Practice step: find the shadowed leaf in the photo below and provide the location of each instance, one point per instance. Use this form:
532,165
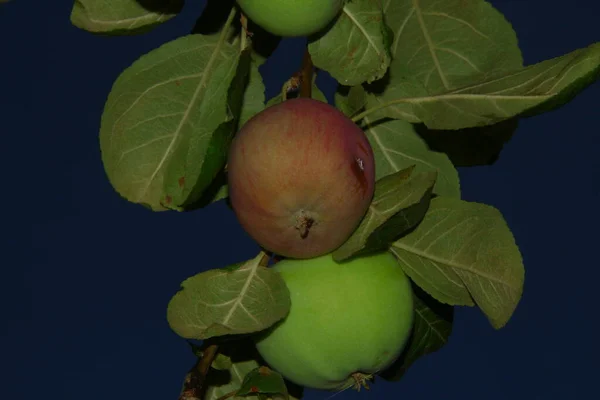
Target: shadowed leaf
397,146
431,329
400,202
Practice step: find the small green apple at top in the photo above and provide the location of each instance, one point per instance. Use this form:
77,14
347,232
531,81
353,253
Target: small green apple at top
347,320
291,18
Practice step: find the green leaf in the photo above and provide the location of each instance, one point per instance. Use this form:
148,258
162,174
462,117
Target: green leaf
354,50
452,43
197,161
397,146
222,193
431,329
463,253
532,90
171,100
399,204
254,94
221,362
242,298
350,99
243,357
123,17
263,380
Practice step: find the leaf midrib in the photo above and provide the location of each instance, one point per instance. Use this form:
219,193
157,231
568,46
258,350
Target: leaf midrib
430,46
184,118
238,302
440,261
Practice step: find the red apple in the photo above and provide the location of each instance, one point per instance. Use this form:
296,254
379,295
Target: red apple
301,177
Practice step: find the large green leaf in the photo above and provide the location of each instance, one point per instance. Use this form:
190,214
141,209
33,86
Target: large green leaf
123,17
452,43
355,49
463,253
171,100
196,164
243,298
397,146
532,90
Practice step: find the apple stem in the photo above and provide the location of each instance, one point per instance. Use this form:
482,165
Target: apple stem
245,34
194,384
301,80
306,75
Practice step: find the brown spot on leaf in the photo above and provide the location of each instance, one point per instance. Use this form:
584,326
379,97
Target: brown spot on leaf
254,389
264,371
168,200
181,181
177,83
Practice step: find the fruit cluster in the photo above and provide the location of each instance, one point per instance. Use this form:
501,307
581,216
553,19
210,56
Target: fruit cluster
301,177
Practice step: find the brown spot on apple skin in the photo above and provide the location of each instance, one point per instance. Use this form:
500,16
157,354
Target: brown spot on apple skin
363,148
358,170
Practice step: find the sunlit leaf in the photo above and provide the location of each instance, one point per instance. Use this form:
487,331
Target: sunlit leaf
355,49
463,253
123,17
244,298
172,100
532,90
452,43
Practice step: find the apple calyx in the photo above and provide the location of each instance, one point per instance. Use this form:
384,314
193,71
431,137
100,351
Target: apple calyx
361,380
304,221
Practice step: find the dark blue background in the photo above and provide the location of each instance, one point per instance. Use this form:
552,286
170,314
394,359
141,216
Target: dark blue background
86,276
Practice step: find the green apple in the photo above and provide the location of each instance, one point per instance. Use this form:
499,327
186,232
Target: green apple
291,17
347,320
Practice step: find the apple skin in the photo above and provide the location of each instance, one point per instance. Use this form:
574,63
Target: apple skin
301,177
291,18
348,317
